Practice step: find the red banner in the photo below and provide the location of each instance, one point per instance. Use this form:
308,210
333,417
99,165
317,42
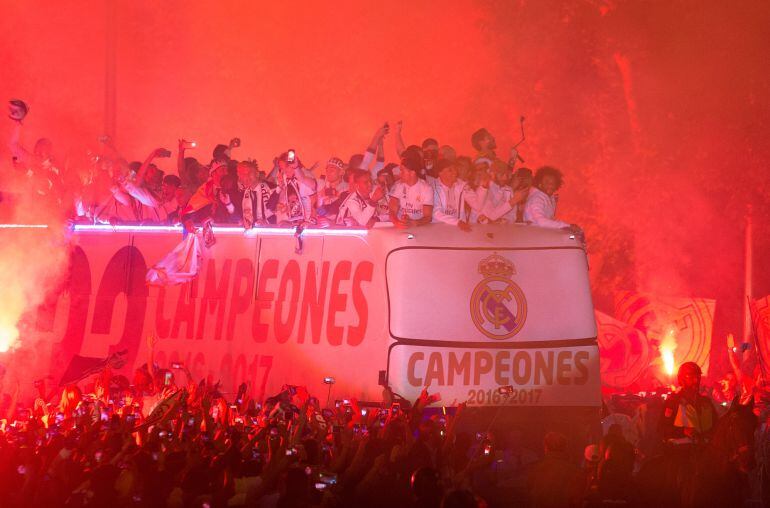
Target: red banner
760,317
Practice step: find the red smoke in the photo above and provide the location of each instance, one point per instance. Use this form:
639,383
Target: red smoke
656,112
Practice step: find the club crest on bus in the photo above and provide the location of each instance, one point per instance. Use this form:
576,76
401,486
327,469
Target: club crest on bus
498,305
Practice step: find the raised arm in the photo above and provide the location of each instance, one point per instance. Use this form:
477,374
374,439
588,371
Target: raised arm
18,152
400,145
374,150
180,166
146,164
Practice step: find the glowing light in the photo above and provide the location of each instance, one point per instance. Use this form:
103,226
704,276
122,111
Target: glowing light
23,226
219,230
8,337
666,349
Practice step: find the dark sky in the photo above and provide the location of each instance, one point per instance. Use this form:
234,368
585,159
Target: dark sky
657,112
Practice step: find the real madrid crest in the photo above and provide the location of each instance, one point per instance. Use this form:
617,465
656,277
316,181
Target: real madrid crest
498,305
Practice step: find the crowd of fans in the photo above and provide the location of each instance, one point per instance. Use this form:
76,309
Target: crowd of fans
158,440
153,443
165,439
429,183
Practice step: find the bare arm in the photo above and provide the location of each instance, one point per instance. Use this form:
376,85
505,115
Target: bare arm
180,166
400,145
373,149
427,216
394,209
17,150
146,164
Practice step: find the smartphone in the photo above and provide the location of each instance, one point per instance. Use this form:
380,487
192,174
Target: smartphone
167,379
487,449
363,411
328,478
329,380
395,408
291,155
176,365
320,486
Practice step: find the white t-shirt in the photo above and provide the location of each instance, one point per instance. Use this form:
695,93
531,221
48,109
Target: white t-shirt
328,193
355,211
540,210
412,198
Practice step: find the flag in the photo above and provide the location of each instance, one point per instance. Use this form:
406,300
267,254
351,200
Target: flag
80,367
760,319
179,266
688,321
624,352
163,410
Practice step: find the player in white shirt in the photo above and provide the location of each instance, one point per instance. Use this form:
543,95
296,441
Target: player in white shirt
497,206
450,196
540,209
411,199
360,206
295,190
505,201
253,195
385,180
330,186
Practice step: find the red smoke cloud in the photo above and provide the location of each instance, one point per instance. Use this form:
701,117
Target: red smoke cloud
657,113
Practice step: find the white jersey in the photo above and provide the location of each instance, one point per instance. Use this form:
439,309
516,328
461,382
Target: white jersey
449,205
383,208
355,211
497,205
411,198
328,192
540,209
294,195
150,208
